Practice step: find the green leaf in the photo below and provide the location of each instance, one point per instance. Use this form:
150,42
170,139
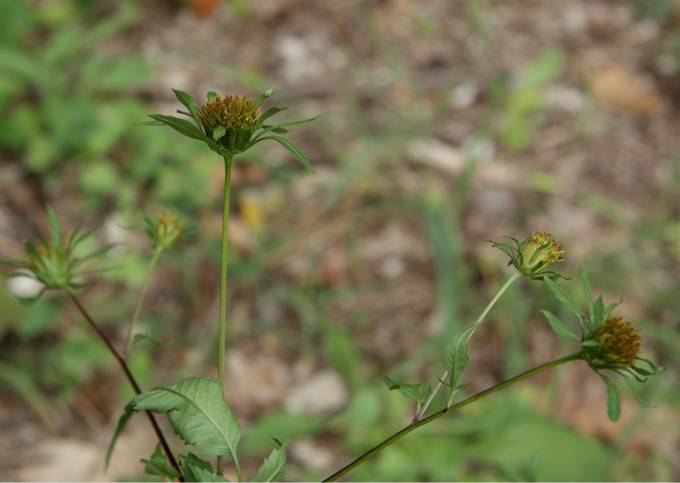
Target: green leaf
457,358
180,125
188,102
613,399
391,383
211,95
563,297
610,308
590,343
598,312
157,465
267,114
219,132
585,288
198,413
196,469
55,228
414,392
559,327
292,148
273,466
122,422
265,95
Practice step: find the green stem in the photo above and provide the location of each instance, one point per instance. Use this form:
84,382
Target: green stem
478,322
131,379
415,425
140,299
224,264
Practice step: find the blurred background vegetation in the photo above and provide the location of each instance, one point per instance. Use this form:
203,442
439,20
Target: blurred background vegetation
445,123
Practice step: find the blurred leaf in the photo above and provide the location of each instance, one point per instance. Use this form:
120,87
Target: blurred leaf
157,465
182,126
120,426
613,399
283,425
291,147
196,469
273,467
559,327
342,354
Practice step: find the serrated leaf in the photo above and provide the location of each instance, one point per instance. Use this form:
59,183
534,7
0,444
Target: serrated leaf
54,226
273,466
198,412
613,399
457,358
559,327
180,125
122,422
188,102
157,465
291,147
196,469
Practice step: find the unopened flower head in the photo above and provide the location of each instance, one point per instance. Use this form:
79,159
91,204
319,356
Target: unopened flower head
57,262
617,345
165,229
533,256
232,113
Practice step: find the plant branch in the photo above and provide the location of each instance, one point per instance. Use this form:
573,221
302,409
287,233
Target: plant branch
140,299
224,264
415,425
419,414
131,379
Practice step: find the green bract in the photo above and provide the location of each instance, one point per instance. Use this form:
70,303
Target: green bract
231,125
56,262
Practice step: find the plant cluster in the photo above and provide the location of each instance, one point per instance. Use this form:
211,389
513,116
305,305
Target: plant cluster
196,407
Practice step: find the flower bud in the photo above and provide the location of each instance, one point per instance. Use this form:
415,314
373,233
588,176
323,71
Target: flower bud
165,230
229,119
533,256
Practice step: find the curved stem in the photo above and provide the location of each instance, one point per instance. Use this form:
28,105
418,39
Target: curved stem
224,264
478,322
131,379
140,299
415,425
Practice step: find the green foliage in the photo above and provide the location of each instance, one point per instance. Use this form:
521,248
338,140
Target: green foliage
560,327
414,392
273,467
198,412
196,469
157,465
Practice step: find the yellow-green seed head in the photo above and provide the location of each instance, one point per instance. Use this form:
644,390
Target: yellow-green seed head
230,112
619,343
541,250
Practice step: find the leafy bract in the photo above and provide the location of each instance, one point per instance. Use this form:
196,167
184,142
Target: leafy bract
196,469
158,466
198,412
559,327
273,466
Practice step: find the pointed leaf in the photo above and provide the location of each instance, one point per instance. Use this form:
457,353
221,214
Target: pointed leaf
196,469
198,413
292,148
157,465
613,399
559,327
457,358
122,422
180,125
391,383
563,297
188,102
587,294
55,228
272,111
273,467
265,95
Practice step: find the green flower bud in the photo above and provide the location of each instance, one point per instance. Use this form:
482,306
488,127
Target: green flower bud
230,120
164,230
533,256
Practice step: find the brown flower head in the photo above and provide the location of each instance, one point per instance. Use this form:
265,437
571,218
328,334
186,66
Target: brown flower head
230,112
618,344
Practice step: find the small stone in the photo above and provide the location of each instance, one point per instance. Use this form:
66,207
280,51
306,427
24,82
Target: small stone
323,393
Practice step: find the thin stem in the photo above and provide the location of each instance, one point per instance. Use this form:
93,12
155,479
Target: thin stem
131,379
477,322
415,425
140,299
224,264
